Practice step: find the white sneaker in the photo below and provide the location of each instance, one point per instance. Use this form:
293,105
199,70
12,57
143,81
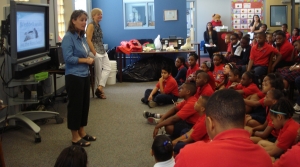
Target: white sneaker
152,120
297,108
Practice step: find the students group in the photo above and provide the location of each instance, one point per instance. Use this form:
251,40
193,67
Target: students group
232,108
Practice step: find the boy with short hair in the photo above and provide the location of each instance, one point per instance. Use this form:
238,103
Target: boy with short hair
165,91
285,48
284,28
260,55
231,144
182,116
202,83
198,132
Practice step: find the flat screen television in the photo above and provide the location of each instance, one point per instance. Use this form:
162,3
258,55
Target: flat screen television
29,31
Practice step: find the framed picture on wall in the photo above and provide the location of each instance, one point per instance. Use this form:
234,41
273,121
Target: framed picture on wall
278,15
170,15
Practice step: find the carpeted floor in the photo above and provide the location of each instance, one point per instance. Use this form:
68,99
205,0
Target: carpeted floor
123,136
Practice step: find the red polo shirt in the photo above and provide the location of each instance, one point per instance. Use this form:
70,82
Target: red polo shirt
229,47
211,80
205,90
170,86
287,35
286,51
199,130
249,90
186,110
287,134
192,70
229,148
260,56
290,158
218,73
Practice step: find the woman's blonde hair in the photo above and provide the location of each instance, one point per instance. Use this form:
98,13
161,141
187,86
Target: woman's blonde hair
96,11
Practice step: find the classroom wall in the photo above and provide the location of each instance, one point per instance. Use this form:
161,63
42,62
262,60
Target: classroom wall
112,23
268,3
204,11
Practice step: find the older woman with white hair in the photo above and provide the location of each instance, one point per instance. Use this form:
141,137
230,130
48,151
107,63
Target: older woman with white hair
94,37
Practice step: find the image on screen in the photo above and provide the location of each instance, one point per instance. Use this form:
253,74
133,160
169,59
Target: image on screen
30,30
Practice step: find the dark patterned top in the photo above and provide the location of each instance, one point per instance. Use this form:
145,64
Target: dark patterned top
97,38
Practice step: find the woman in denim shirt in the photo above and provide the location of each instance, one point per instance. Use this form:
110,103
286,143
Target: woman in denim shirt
75,53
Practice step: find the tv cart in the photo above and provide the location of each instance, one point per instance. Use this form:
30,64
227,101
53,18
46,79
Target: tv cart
14,112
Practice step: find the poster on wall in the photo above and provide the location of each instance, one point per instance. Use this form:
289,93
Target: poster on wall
242,12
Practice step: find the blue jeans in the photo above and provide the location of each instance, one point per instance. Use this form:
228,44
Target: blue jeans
160,98
297,84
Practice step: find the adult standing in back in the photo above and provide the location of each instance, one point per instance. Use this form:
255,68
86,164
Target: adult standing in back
211,40
255,24
94,37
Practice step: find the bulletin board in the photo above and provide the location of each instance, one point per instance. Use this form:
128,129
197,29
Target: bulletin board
242,12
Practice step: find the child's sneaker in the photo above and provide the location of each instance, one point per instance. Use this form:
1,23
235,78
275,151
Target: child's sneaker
152,120
152,104
148,114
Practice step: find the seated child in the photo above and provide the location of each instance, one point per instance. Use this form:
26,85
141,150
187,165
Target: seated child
202,83
72,156
198,132
284,28
227,41
206,67
269,39
255,102
226,69
234,78
247,87
240,33
291,157
218,70
286,50
165,91
295,35
193,67
267,131
263,28
230,144
281,114
162,150
182,116
243,59
181,74
260,55
235,43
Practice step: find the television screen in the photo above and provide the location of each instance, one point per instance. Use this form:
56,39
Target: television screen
30,30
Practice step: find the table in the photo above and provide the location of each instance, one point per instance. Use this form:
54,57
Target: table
122,63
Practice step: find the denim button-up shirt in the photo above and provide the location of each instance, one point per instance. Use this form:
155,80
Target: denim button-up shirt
75,47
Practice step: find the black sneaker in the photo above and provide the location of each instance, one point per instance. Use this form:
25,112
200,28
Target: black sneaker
148,114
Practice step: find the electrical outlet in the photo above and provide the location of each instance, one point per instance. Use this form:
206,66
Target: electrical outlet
51,36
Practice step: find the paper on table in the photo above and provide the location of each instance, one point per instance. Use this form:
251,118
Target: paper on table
208,45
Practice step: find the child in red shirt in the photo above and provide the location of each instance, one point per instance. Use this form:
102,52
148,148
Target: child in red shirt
281,114
198,132
181,74
206,67
218,70
234,78
291,157
181,116
260,56
247,87
286,50
165,91
226,70
202,83
268,131
284,28
227,41
269,39
193,67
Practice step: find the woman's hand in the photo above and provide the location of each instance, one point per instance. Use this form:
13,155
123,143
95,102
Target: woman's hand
89,61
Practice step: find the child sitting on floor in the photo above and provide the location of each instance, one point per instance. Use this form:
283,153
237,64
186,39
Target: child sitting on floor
162,150
234,78
165,91
281,114
267,131
247,87
207,67
202,83
226,70
218,70
269,39
227,41
72,156
182,116
193,67
181,74
198,132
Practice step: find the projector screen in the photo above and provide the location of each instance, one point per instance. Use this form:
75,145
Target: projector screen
30,30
